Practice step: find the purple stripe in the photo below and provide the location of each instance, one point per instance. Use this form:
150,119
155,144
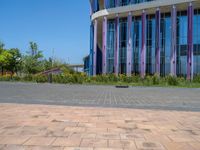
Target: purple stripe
129,46
190,43
173,41
104,44
158,41
95,48
117,45
143,49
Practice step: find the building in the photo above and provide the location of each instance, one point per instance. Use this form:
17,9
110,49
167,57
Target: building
145,37
86,61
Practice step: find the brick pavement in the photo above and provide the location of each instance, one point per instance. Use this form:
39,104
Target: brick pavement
101,96
36,127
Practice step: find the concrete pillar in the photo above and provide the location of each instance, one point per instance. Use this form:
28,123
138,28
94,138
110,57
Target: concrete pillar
104,45
158,41
116,45
95,48
190,43
129,46
143,49
173,41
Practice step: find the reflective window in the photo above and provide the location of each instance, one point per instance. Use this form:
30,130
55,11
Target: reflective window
165,36
110,46
150,44
123,2
196,41
182,43
122,45
137,36
110,3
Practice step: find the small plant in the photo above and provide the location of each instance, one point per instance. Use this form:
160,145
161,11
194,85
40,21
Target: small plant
172,80
40,78
156,79
197,79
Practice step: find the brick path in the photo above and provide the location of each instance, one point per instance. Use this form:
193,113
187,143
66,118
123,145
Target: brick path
35,127
102,96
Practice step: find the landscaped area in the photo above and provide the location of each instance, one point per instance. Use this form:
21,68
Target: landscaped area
111,79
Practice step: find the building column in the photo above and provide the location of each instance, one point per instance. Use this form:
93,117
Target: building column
116,52
143,49
104,45
129,46
173,41
95,48
158,41
190,43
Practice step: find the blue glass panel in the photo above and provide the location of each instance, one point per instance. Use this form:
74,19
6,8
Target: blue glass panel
182,43
137,36
165,36
196,41
110,46
122,45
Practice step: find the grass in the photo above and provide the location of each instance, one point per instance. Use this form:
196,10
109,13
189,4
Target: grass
111,79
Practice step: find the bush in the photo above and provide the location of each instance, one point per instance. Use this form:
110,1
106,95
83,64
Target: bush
155,79
28,78
5,78
172,80
148,80
197,79
16,78
40,78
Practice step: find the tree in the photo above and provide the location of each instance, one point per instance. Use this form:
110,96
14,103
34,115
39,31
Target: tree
5,56
14,60
33,61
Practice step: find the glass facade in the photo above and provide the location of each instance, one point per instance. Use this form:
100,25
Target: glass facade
122,45
150,44
165,44
137,43
110,46
112,3
182,26
196,41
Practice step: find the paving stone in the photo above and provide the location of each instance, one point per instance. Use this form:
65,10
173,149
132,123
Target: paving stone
109,149
178,146
149,145
68,142
94,143
13,140
40,141
181,138
78,148
195,145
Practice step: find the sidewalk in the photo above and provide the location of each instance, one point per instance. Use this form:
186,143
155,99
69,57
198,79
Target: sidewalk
35,127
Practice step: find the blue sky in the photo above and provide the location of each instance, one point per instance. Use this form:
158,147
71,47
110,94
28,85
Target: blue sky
62,25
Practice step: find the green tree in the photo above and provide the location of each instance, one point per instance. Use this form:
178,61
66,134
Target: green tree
14,61
33,61
5,57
